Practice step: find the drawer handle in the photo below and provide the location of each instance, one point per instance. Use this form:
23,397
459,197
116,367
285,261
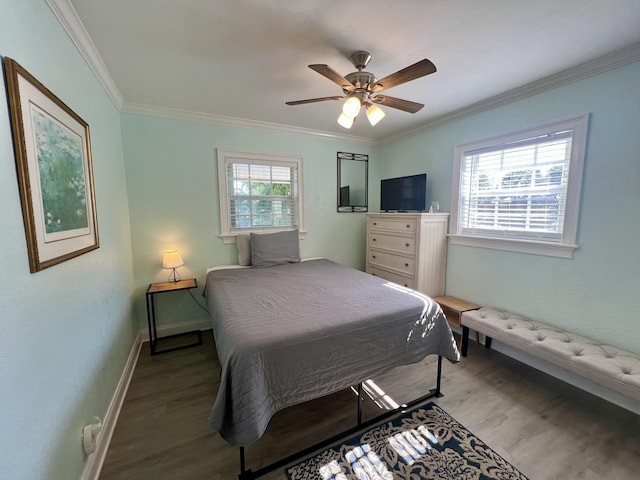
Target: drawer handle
373,256
374,224
406,245
406,264
374,239
406,285
408,226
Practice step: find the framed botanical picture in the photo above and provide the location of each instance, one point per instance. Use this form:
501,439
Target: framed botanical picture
55,174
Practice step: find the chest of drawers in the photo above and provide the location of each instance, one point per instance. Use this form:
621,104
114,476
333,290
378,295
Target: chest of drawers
409,249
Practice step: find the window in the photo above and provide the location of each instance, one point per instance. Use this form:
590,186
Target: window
259,193
521,191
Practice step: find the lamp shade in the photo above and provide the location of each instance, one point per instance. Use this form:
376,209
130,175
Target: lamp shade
172,259
374,114
345,120
351,107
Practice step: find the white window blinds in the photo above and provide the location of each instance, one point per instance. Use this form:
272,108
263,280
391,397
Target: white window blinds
518,189
259,193
262,194
521,191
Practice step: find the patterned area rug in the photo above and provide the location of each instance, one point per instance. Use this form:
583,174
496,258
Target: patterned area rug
424,443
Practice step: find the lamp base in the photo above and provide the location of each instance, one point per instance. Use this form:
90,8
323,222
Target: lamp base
174,276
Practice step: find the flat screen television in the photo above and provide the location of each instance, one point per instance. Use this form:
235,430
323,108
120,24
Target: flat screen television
404,194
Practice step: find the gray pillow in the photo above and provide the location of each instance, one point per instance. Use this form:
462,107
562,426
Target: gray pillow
269,249
243,242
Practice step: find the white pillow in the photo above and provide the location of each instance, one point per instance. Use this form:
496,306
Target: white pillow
243,242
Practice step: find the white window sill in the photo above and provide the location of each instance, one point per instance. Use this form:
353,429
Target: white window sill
515,245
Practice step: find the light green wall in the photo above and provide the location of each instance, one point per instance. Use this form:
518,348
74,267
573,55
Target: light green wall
65,332
172,181
597,292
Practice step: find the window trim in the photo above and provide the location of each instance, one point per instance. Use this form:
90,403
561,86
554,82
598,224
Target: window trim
565,248
229,156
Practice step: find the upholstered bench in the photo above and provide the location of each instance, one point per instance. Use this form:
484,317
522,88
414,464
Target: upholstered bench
609,366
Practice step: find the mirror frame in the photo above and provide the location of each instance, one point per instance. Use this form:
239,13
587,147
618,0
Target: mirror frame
360,158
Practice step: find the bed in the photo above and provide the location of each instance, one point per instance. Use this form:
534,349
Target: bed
298,331
288,331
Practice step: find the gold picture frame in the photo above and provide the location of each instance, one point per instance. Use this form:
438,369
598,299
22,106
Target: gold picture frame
55,173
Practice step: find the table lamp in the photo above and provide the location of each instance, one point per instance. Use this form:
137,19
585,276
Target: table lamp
172,260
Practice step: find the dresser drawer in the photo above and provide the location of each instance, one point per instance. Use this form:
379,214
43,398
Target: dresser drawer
394,225
392,242
396,262
408,282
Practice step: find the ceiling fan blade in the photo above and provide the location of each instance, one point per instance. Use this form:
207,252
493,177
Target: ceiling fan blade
417,70
312,100
332,75
404,105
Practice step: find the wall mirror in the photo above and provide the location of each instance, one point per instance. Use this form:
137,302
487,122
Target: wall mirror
353,183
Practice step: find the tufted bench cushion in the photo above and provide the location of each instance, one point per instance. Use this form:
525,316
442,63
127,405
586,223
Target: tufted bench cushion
612,367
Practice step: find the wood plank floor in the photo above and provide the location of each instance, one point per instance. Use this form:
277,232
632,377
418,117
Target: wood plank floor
545,427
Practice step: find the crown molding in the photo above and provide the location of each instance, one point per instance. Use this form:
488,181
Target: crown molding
584,70
70,21
177,114
68,18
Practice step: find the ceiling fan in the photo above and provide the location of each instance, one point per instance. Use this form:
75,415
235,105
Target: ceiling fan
363,89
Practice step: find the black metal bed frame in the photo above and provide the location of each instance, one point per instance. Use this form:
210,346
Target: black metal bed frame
248,474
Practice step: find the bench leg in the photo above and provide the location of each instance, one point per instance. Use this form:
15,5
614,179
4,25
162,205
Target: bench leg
487,341
465,340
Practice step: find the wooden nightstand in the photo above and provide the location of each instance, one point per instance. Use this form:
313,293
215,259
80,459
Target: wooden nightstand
163,287
453,309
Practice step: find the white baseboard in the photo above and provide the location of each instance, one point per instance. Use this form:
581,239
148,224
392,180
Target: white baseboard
175,328
94,462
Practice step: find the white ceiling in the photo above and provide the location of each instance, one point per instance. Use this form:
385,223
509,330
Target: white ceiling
245,58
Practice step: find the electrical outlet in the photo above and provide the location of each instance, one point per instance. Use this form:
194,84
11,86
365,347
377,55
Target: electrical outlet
89,435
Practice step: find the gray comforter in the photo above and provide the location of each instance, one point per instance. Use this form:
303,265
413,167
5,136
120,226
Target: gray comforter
295,332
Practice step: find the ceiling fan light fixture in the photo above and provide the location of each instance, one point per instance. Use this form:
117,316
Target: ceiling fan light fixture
374,114
345,120
363,88
351,107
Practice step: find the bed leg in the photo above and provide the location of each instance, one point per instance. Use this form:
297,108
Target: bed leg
244,474
439,377
359,404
